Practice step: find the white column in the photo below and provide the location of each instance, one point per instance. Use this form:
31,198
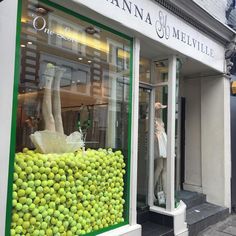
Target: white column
134,132
215,136
227,144
170,192
8,21
151,142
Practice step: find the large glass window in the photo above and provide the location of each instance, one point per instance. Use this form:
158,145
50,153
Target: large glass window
72,140
160,146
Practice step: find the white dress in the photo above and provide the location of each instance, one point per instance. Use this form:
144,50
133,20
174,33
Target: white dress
160,143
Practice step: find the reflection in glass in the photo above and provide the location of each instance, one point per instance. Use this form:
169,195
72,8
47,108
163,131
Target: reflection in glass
145,70
161,71
177,135
143,148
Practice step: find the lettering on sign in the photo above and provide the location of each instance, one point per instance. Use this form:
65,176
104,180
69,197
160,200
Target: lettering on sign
132,9
162,28
40,24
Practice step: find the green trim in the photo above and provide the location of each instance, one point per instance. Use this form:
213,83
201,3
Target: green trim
95,233
13,121
77,15
127,192
14,115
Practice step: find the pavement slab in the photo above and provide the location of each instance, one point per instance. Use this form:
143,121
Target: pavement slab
223,228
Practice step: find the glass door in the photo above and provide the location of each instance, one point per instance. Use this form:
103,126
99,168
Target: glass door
143,147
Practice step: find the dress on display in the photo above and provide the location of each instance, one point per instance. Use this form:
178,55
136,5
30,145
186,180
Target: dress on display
160,144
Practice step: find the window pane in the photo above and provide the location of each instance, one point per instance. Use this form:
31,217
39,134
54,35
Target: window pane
145,70
161,71
160,146
143,148
72,125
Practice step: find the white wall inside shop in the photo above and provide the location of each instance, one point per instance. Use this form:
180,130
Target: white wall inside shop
192,93
8,16
207,130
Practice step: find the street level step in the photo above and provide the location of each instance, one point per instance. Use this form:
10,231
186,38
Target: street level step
154,224
201,216
153,229
191,199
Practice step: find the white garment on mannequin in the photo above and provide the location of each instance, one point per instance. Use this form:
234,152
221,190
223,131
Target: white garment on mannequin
160,139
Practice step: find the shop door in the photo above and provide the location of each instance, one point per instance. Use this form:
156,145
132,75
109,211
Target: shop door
143,147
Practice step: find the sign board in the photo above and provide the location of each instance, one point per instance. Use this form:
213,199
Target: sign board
155,22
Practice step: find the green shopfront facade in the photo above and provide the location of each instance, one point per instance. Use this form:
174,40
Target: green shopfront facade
72,105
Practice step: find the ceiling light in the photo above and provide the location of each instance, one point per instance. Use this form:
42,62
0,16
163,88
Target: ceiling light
90,30
22,45
41,10
80,58
89,61
30,43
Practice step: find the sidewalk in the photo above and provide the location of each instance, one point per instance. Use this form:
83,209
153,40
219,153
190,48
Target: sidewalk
223,228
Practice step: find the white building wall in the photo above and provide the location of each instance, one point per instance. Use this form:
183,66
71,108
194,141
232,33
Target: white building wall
207,138
216,8
215,124
8,15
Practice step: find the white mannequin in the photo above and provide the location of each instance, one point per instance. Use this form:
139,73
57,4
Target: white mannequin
51,107
53,139
160,152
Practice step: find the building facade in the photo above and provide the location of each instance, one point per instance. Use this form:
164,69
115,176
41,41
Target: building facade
110,108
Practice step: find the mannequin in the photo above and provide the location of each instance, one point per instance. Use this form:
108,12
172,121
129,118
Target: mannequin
160,154
51,108
53,139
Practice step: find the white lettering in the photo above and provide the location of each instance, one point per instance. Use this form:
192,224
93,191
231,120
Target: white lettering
36,24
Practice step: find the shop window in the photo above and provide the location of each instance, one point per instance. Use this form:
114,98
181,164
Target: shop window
161,70
160,146
73,122
145,70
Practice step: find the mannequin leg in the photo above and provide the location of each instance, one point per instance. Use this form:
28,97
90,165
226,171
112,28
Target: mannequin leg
57,100
157,173
164,174
47,104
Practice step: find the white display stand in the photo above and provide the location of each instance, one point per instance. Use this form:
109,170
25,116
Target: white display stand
179,215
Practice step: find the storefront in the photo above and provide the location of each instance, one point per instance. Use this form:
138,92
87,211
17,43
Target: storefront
91,116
